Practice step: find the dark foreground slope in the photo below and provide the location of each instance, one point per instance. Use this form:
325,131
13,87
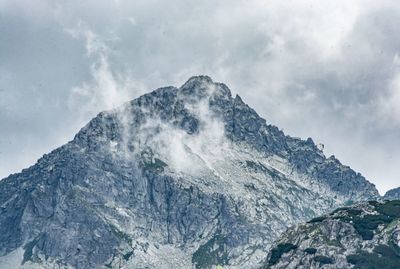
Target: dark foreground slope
179,177
365,236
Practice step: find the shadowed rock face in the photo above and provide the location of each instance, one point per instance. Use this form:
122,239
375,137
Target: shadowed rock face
174,179
393,194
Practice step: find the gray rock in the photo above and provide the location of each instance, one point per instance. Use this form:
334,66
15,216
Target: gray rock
174,179
393,194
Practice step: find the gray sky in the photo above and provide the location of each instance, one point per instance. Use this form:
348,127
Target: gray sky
329,70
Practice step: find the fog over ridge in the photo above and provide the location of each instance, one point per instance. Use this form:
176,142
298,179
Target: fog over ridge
330,71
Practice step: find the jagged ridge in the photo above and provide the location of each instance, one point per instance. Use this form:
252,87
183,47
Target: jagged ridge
189,171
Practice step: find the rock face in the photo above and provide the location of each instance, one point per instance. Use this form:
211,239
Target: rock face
178,178
364,236
393,194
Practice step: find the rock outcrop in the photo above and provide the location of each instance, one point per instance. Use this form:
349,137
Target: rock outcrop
363,236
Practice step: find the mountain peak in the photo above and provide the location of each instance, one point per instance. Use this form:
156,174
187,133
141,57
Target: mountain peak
198,80
201,103
197,87
200,87
190,171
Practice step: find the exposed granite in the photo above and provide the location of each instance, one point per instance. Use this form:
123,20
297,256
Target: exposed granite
114,196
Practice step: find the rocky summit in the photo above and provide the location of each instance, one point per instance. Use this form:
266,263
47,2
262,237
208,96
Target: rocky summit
364,236
187,177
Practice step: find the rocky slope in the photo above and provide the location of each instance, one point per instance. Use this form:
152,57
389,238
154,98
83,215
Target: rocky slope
364,236
393,194
178,178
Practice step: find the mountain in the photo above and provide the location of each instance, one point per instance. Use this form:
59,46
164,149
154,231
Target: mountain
393,194
364,236
177,178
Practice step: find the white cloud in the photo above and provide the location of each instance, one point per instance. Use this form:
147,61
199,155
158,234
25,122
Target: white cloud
390,105
326,69
105,90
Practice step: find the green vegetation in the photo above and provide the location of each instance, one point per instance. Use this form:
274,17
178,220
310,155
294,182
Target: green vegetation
388,212
385,251
120,235
395,247
383,257
127,255
339,209
365,225
310,251
352,212
211,253
323,259
29,250
155,165
389,208
279,250
349,214
317,219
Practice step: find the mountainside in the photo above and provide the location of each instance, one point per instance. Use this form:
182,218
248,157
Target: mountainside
393,194
178,178
365,236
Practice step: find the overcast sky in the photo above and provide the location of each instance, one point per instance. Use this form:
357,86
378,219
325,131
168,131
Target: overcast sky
329,70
